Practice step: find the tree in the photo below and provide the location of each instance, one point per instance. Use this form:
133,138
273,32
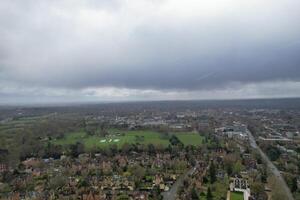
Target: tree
175,141
53,151
229,169
76,149
264,174
114,149
151,149
278,193
91,129
194,194
273,153
229,161
205,180
212,173
126,148
298,150
237,167
138,172
294,186
257,188
209,195
258,158
57,182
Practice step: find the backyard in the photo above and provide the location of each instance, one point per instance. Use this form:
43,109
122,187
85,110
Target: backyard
236,196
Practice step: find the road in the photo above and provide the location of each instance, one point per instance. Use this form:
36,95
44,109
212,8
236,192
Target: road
171,194
272,167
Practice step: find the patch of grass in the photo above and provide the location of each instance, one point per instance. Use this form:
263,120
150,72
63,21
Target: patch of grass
236,196
190,138
130,137
18,124
71,138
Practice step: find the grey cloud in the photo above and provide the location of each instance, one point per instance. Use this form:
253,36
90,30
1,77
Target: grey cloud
55,44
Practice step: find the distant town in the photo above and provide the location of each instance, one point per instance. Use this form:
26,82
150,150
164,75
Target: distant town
159,150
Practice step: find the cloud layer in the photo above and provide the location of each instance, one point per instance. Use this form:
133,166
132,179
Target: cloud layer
148,45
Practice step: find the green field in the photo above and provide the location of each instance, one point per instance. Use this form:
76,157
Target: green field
19,124
236,196
190,138
131,137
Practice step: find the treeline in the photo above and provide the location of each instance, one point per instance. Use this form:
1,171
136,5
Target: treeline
19,144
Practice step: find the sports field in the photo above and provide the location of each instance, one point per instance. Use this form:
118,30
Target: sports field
131,137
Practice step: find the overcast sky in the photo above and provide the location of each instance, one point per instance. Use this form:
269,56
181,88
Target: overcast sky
120,50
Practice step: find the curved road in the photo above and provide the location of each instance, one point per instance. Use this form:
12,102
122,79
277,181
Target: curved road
272,167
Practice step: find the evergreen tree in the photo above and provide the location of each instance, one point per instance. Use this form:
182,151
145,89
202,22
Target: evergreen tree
212,173
194,194
294,185
209,195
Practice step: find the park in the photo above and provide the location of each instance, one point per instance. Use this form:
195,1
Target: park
121,137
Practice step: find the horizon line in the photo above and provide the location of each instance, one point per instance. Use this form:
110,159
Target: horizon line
93,102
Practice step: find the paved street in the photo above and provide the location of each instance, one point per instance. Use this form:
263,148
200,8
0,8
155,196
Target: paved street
272,167
171,194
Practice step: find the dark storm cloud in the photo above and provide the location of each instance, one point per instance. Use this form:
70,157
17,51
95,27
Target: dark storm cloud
144,44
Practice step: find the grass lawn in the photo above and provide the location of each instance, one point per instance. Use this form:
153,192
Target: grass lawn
71,138
121,137
190,138
236,196
16,124
130,137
